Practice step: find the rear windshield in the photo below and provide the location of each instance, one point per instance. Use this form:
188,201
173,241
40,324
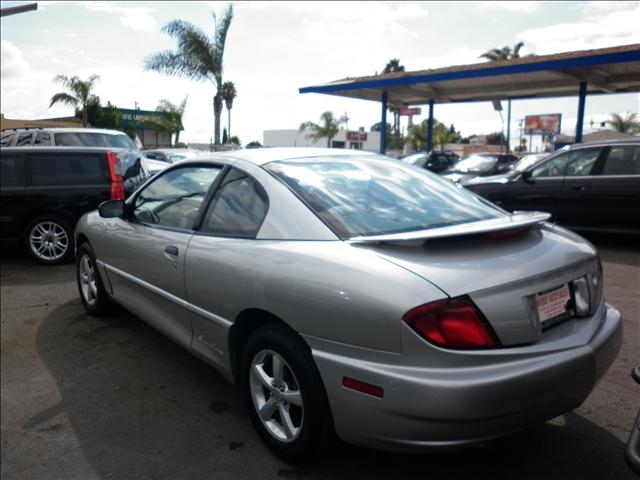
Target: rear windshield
93,139
358,196
476,163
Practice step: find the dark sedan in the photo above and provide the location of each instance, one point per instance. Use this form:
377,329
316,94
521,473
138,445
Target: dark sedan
590,186
480,164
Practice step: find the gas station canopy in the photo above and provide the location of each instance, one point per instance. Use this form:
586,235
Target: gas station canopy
606,70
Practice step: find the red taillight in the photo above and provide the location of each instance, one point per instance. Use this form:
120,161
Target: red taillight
504,233
117,185
364,387
453,323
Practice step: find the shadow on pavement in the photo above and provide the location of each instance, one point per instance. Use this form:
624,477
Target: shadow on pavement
141,406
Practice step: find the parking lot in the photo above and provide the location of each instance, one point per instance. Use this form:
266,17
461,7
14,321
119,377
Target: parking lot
112,398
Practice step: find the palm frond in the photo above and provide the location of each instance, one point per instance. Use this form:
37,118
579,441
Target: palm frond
64,98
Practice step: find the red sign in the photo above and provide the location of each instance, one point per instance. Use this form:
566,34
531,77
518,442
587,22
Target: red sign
356,136
410,111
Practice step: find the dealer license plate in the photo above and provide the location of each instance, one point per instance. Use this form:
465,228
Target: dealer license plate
554,305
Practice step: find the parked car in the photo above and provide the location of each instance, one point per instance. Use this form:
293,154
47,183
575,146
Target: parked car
45,190
65,137
433,161
588,186
351,292
632,452
170,155
478,165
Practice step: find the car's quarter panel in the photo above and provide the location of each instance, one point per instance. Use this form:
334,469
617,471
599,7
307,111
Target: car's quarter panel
500,274
14,211
614,203
326,289
143,277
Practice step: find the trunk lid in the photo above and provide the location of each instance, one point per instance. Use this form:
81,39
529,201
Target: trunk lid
501,275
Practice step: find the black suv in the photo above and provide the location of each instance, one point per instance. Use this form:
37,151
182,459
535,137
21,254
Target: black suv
45,190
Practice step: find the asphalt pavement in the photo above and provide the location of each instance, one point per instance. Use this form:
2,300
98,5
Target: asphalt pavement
86,398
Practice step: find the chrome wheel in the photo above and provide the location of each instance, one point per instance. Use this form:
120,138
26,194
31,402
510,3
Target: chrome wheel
87,274
49,241
276,396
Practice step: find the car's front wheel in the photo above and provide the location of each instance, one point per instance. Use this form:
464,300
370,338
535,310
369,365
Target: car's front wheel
284,393
94,297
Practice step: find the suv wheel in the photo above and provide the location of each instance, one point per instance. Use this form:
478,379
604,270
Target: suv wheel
49,240
284,393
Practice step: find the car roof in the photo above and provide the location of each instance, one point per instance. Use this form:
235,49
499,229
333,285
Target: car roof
613,141
61,149
64,130
261,156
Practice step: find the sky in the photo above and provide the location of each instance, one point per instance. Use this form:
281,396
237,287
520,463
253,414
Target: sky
274,48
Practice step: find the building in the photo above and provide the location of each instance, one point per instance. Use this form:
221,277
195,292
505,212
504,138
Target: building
356,140
150,138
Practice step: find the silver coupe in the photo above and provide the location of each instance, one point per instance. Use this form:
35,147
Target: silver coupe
348,293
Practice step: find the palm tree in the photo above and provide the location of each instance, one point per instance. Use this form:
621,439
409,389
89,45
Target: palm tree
172,115
229,93
625,124
197,57
394,66
328,127
80,96
442,135
504,53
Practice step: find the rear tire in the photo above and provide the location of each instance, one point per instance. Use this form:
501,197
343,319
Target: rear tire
49,240
296,419
94,297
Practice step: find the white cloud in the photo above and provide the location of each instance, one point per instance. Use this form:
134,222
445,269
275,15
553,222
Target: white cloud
597,31
13,62
525,7
606,6
136,18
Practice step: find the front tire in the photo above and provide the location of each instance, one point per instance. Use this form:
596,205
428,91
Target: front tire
94,297
284,393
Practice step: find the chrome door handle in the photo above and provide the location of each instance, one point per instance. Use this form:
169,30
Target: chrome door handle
171,252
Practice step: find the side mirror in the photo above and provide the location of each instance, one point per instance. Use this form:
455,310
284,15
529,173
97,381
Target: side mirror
526,177
111,209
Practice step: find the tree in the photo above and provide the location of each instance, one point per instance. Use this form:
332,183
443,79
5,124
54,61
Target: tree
376,127
442,135
101,117
197,57
504,53
625,124
235,141
79,93
254,144
327,128
172,115
229,93
496,138
225,137
394,66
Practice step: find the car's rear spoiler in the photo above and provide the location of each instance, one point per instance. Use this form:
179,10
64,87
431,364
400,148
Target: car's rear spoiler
510,222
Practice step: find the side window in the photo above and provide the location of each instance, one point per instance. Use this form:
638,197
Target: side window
238,208
582,161
623,161
174,199
12,170
24,139
43,138
554,167
51,169
6,138
151,156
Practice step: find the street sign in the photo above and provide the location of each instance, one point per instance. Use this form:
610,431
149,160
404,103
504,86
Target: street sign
356,136
410,111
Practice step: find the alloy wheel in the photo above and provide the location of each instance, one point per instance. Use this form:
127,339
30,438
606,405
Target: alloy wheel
49,241
87,274
276,396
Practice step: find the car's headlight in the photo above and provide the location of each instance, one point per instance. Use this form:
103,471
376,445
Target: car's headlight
596,285
581,297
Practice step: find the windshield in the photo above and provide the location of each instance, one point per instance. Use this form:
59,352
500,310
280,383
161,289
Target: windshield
358,196
94,139
476,164
527,161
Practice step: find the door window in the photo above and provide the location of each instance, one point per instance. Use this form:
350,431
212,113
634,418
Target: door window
238,208
581,161
174,199
43,138
6,138
554,167
12,171
24,139
622,161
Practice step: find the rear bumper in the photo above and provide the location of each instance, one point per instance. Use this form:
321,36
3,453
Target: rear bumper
426,408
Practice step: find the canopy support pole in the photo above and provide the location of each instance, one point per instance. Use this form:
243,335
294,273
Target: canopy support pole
430,127
383,124
509,126
581,101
